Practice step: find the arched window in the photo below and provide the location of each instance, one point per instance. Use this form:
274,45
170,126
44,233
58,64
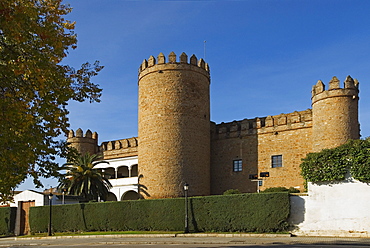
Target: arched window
122,172
109,173
134,170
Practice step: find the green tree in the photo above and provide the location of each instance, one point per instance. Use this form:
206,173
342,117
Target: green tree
35,88
334,164
84,180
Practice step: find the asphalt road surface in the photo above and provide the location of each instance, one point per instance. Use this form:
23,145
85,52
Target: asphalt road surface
198,246
188,241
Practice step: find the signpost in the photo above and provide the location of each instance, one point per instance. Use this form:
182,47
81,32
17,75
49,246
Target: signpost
254,178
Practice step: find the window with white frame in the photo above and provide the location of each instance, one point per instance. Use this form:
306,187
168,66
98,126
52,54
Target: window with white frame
276,161
237,165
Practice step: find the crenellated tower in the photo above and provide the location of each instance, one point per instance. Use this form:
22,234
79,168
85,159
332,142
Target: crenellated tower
335,113
174,126
87,143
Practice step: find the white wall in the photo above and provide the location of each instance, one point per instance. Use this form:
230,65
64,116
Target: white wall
117,162
29,195
340,209
121,185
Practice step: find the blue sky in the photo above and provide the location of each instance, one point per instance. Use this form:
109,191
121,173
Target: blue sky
264,55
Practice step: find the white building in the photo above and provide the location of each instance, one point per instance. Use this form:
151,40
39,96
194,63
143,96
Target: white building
123,175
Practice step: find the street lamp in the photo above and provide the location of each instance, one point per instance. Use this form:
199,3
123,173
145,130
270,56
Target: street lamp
50,204
63,195
186,188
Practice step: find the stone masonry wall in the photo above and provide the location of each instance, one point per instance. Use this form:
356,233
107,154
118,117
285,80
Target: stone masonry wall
119,148
335,113
255,141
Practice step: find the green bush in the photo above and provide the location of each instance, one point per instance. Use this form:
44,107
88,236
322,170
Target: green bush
7,220
280,189
330,165
232,192
225,213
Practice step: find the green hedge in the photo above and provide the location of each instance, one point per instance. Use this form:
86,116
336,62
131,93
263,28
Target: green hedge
226,213
7,220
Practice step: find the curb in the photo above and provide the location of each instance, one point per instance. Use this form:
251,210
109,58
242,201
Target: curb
233,235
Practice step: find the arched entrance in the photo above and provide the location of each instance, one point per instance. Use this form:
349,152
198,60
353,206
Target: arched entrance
111,197
130,195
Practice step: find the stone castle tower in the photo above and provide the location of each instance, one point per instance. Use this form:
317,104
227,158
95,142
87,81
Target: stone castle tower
87,143
174,126
335,113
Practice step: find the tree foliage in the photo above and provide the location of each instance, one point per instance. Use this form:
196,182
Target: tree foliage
35,88
84,180
334,164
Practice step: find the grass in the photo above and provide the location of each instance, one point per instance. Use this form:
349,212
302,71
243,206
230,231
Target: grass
125,233
100,233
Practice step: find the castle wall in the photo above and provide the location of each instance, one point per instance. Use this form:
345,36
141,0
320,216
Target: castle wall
293,145
224,151
254,142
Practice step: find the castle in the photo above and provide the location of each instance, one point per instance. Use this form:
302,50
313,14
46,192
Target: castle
177,143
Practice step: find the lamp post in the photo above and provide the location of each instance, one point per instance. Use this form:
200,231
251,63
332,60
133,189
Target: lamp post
50,204
63,194
186,188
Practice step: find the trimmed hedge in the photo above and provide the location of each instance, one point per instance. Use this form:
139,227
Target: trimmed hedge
7,220
225,213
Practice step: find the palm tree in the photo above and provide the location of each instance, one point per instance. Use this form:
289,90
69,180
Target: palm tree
82,179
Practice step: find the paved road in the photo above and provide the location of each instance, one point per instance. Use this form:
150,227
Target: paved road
171,241
209,246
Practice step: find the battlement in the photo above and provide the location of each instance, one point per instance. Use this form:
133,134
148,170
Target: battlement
118,144
80,134
172,60
84,143
351,88
259,125
119,148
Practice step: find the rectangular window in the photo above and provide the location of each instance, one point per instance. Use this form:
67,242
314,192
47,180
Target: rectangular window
237,165
277,161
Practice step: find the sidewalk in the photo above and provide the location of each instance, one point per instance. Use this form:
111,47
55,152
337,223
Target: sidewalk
251,239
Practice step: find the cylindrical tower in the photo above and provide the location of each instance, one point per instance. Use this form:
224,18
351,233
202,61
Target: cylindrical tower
174,126
87,143
335,113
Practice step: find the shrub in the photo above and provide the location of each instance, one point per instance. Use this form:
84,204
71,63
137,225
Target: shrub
7,220
280,189
330,165
224,213
232,192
